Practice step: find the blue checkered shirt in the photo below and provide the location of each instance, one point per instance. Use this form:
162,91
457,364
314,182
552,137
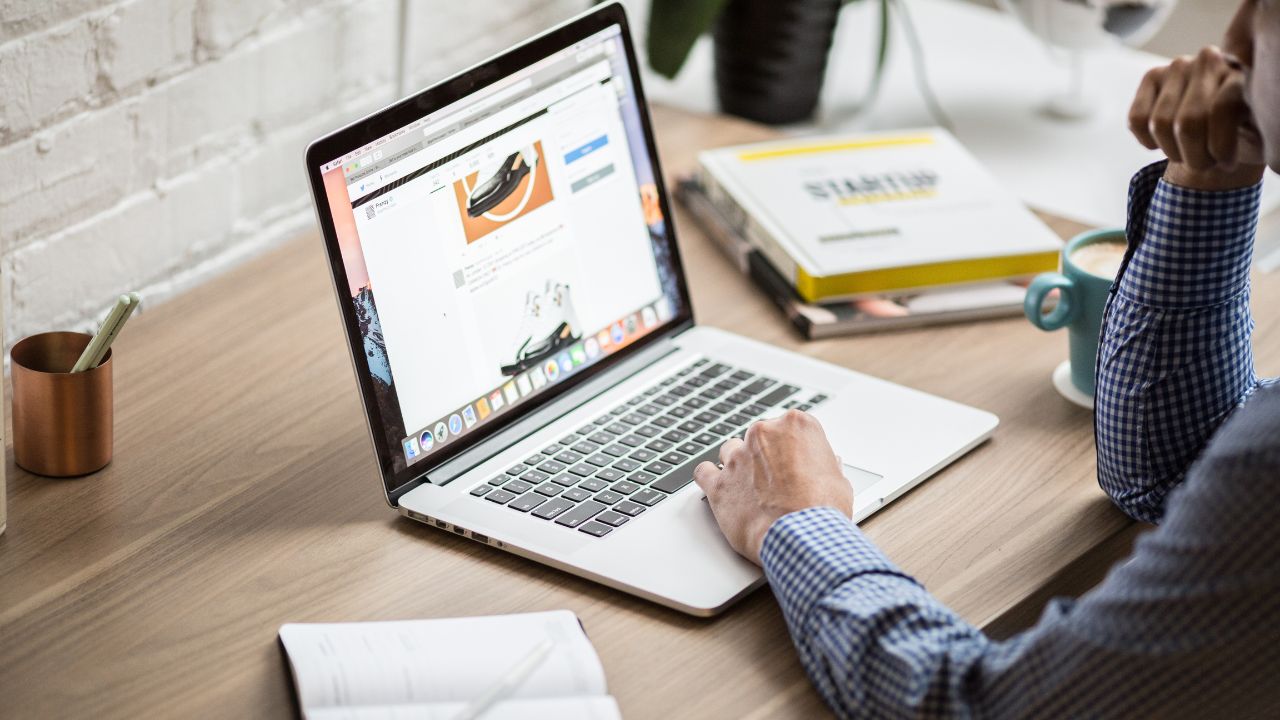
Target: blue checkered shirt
1189,627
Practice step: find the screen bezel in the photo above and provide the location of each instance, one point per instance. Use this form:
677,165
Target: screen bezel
414,107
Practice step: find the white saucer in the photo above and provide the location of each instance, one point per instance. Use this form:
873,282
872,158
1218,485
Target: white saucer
1062,381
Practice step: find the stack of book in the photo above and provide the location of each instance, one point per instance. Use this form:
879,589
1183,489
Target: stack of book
870,232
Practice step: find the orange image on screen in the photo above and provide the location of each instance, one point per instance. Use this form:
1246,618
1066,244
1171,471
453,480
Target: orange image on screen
504,191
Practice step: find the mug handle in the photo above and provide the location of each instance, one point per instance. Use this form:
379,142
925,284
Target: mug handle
1060,316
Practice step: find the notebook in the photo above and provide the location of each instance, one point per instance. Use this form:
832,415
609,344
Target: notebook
433,669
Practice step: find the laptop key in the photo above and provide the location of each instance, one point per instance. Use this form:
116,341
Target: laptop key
647,497
601,438
675,436
580,514
715,370
610,474
616,450
658,468
651,409
738,398
666,400
778,395
708,438
643,455
577,494
481,490
500,496
552,508
659,446
620,410
551,450
517,470
593,484
624,487
648,431
627,465
697,382
602,420
680,412
626,507
691,426
565,480
568,457
674,458
549,489
527,502
634,418
665,421
551,467
632,440
696,403
683,475
712,393
533,460
741,375
722,408
755,409
517,486
618,429
586,430
691,448
499,479
726,385
642,477
705,417
738,419
596,529
609,517
536,476
586,448
721,429
583,470
609,497
759,385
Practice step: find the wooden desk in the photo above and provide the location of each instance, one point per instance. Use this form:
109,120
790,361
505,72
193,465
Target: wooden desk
244,495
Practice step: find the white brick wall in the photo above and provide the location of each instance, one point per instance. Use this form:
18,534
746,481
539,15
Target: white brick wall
150,144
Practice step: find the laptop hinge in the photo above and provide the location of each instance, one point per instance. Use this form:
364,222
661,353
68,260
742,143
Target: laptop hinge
542,417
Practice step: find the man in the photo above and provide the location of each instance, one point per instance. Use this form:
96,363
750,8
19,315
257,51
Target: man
1187,436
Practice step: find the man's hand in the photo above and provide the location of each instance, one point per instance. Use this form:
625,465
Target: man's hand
784,465
1194,109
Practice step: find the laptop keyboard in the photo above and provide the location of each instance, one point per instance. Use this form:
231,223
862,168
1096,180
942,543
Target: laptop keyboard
606,473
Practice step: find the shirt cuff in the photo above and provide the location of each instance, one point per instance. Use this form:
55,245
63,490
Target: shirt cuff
1187,248
809,553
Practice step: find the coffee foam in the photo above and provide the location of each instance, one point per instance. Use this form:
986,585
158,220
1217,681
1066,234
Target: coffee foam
1101,258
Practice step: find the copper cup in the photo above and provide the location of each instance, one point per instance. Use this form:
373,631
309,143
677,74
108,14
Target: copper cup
61,420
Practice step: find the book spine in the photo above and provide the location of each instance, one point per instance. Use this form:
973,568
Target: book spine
745,225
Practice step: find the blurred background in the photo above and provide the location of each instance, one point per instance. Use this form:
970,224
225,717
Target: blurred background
151,144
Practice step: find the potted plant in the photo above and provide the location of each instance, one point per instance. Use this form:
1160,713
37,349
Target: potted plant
770,55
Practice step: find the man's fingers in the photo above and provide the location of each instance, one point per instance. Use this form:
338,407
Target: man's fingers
1191,124
1165,110
1143,102
728,448
705,475
1229,113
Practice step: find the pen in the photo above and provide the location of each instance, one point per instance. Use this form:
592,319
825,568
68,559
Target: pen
101,342
508,682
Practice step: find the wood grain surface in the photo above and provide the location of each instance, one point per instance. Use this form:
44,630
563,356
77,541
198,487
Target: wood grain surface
244,494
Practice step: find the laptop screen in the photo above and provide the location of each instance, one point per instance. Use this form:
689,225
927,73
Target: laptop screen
501,247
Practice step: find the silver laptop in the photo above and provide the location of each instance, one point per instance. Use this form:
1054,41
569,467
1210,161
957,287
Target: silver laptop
507,272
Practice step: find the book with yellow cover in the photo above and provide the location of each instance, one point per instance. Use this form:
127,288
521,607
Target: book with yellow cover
888,212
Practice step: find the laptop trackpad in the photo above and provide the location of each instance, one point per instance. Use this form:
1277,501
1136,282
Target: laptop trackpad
860,479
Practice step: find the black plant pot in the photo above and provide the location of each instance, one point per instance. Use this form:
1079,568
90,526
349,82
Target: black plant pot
771,56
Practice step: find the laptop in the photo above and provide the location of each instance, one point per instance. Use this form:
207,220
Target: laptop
508,276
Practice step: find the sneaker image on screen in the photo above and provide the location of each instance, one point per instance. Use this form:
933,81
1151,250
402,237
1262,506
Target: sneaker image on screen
549,325
502,181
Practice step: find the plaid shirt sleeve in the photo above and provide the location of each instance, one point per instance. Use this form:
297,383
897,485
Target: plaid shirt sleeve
1175,357
1189,626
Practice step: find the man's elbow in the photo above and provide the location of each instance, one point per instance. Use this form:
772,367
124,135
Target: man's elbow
1140,497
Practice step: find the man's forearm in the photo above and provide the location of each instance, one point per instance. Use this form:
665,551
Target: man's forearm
1175,356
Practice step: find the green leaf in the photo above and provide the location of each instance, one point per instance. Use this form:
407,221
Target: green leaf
674,26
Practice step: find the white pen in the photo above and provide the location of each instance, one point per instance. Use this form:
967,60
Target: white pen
508,683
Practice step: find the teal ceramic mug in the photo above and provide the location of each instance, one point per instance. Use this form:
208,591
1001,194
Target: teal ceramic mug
1083,287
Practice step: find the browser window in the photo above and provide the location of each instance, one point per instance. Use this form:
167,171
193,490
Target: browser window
502,246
